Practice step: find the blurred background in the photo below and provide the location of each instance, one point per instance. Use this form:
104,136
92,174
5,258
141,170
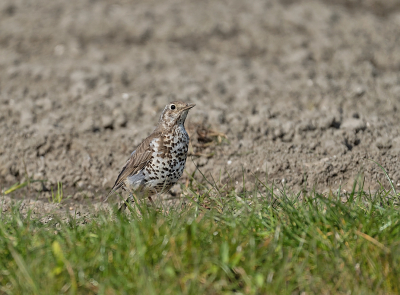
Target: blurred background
300,92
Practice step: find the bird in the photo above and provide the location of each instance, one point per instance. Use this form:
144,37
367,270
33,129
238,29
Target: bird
158,162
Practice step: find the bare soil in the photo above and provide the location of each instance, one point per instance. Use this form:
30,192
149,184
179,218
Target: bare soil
304,93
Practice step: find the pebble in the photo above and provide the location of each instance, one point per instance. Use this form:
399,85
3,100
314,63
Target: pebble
354,124
383,143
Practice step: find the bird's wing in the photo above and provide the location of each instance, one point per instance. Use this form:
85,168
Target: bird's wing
135,163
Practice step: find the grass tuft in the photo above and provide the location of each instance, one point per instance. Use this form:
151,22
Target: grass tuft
59,195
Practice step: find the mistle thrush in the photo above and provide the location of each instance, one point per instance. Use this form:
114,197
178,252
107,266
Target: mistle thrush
158,162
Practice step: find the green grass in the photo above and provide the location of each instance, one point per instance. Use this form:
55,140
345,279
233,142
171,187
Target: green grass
57,197
220,242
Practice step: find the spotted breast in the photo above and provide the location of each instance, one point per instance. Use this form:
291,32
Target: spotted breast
158,162
169,154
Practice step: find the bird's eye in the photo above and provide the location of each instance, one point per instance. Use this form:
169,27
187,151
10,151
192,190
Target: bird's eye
173,107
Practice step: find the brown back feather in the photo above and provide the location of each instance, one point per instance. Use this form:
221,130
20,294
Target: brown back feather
136,162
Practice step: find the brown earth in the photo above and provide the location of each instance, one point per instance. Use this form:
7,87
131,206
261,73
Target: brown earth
306,92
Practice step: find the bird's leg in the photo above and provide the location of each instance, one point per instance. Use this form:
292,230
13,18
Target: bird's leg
152,202
150,194
154,191
124,205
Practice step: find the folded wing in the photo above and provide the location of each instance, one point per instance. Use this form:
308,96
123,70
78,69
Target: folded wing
137,161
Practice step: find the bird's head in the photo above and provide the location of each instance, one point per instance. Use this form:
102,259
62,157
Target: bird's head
174,113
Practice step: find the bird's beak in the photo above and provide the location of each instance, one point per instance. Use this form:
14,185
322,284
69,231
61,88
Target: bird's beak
189,106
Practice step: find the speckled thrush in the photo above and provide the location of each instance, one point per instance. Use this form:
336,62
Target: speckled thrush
158,162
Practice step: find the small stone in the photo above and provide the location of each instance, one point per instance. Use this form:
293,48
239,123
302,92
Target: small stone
121,120
359,91
59,49
81,183
26,117
287,127
278,132
107,122
330,147
87,125
76,179
326,122
383,143
305,126
37,186
202,162
78,196
354,124
396,142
